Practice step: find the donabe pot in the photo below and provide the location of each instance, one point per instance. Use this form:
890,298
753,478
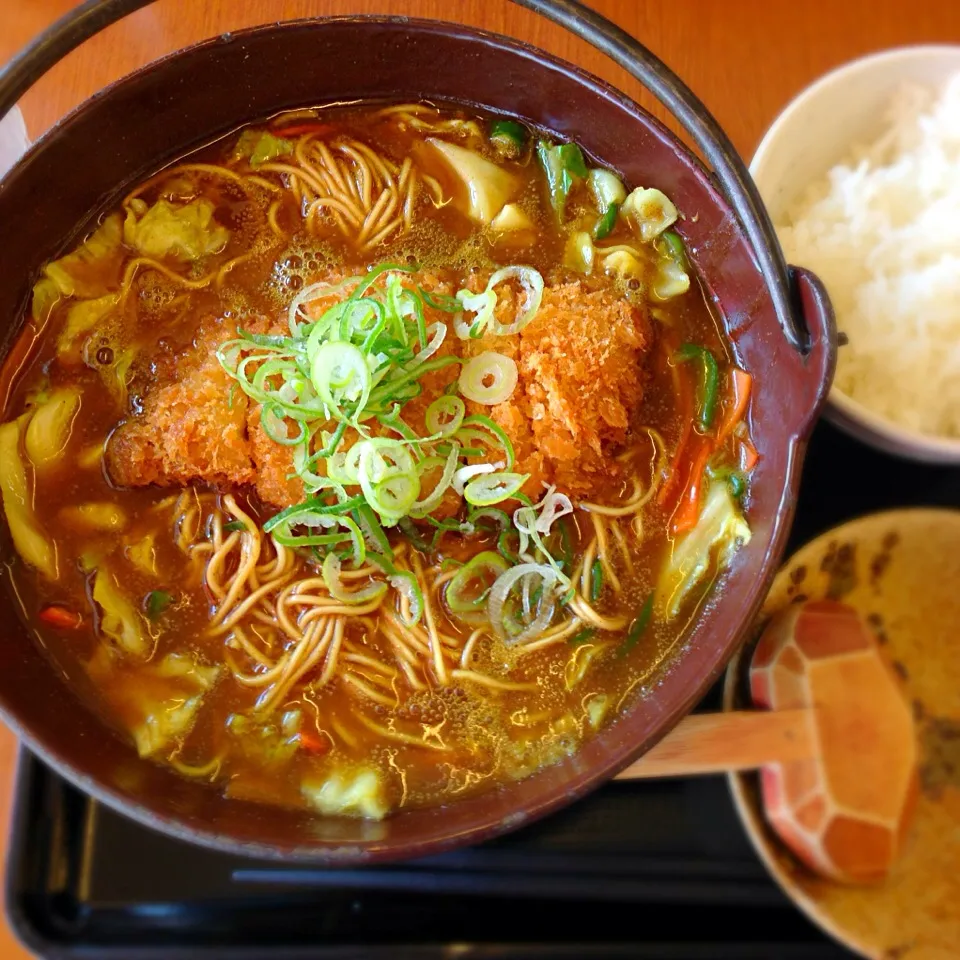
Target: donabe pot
173,106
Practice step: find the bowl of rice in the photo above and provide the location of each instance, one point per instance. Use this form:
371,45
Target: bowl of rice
861,175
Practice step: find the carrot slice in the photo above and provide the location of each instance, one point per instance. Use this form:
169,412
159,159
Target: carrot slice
60,617
314,744
748,455
737,409
688,509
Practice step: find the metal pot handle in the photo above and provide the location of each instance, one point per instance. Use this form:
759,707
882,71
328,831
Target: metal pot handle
94,15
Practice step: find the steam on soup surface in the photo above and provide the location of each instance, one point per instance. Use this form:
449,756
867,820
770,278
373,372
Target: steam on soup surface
370,458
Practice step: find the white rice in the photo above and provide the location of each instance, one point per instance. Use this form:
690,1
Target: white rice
882,230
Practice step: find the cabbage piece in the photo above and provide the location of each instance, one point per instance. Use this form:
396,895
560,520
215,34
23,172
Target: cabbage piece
50,427
89,271
82,317
46,295
120,620
488,186
671,280
183,232
711,544
649,211
267,743
160,702
260,146
143,555
579,252
511,219
94,517
34,547
116,377
348,793
622,263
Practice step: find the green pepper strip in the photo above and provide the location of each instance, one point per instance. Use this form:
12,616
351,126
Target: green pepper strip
157,602
674,246
562,166
596,581
709,380
508,133
234,525
638,627
607,222
732,477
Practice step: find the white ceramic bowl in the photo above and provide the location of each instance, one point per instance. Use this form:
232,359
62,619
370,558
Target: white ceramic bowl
818,129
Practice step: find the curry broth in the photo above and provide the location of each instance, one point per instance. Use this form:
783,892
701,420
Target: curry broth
433,745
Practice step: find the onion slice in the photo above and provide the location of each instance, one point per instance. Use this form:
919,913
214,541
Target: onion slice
502,588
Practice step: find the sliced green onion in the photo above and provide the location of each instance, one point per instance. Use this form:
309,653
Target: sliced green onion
566,545
409,529
274,425
406,584
489,378
638,627
388,477
481,305
465,474
444,416
373,533
323,521
441,301
331,577
314,505
503,546
596,581
709,380
339,371
493,488
234,525
468,590
480,420
499,517
422,507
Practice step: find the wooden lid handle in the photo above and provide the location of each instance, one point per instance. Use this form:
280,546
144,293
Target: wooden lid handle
718,742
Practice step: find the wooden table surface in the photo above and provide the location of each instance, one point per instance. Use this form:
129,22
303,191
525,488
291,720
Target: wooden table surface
744,58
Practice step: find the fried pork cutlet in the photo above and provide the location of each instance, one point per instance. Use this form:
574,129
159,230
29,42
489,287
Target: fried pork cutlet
580,363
